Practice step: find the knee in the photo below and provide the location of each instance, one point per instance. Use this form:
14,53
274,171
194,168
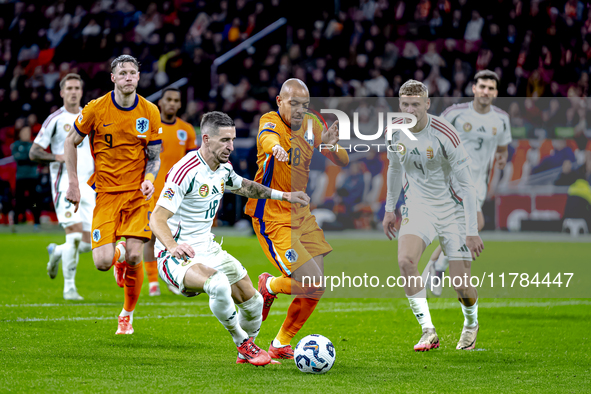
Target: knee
406,264
133,256
218,286
102,264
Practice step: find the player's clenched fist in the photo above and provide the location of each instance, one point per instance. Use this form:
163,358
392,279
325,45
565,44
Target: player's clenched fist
297,198
280,153
73,196
147,189
183,251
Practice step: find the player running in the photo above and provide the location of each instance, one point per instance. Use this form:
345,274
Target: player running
485,131
77,225
434,173
124,131
178,138
188,257
289,235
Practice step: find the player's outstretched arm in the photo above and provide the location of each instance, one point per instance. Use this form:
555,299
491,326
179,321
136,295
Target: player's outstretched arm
336,154
39,155
71,155
161,231
255,190
152,168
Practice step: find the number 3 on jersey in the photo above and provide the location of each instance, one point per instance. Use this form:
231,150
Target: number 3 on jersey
480,141
210,212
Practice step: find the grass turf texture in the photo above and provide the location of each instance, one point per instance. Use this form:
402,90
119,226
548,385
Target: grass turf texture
525,345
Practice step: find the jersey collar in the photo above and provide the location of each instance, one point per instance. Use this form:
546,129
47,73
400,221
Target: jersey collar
471,106
288,126
205,163
137,100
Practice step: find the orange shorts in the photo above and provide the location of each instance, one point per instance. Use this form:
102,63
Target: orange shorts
289,246
123,214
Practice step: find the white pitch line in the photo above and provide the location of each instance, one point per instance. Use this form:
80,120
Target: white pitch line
446,305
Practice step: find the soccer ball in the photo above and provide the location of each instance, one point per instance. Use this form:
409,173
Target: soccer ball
314,354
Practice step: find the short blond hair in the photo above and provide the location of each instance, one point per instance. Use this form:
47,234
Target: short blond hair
413,88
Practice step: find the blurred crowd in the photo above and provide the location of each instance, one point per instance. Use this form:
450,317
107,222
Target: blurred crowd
541,50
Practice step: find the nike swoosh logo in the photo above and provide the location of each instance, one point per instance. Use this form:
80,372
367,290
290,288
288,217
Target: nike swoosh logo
106,125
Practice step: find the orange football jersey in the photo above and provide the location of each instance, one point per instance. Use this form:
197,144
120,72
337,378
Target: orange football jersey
284,176
118,140
178,138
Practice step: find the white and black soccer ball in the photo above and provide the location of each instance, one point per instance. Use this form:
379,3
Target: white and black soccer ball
314,354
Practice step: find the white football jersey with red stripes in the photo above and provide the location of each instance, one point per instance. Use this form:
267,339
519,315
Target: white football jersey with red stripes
429,162
480,134
193,192
53,132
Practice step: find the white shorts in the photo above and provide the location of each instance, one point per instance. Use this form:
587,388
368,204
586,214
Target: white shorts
65,209
447,222
173,271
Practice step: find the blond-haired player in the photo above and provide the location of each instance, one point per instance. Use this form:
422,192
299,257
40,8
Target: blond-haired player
440,201
124,131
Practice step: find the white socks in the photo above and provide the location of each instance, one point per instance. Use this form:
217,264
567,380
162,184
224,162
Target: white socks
470,314
250,315
126,313
419,306
222,305
69,253
84,247
276,343
442,262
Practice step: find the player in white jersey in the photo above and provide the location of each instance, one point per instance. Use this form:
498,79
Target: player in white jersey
485,131
188,257
77,225
440,201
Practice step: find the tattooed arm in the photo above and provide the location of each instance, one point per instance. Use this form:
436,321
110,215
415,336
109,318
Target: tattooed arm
153,164
38,154
152,168
255,190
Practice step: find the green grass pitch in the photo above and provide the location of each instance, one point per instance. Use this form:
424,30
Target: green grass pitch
48,344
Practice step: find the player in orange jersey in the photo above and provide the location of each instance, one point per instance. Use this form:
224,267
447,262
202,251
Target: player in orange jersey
289,235
124,130
178,138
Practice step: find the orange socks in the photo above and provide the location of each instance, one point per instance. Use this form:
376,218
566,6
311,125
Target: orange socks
134,278
298,313
116,256
152,270
281,285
